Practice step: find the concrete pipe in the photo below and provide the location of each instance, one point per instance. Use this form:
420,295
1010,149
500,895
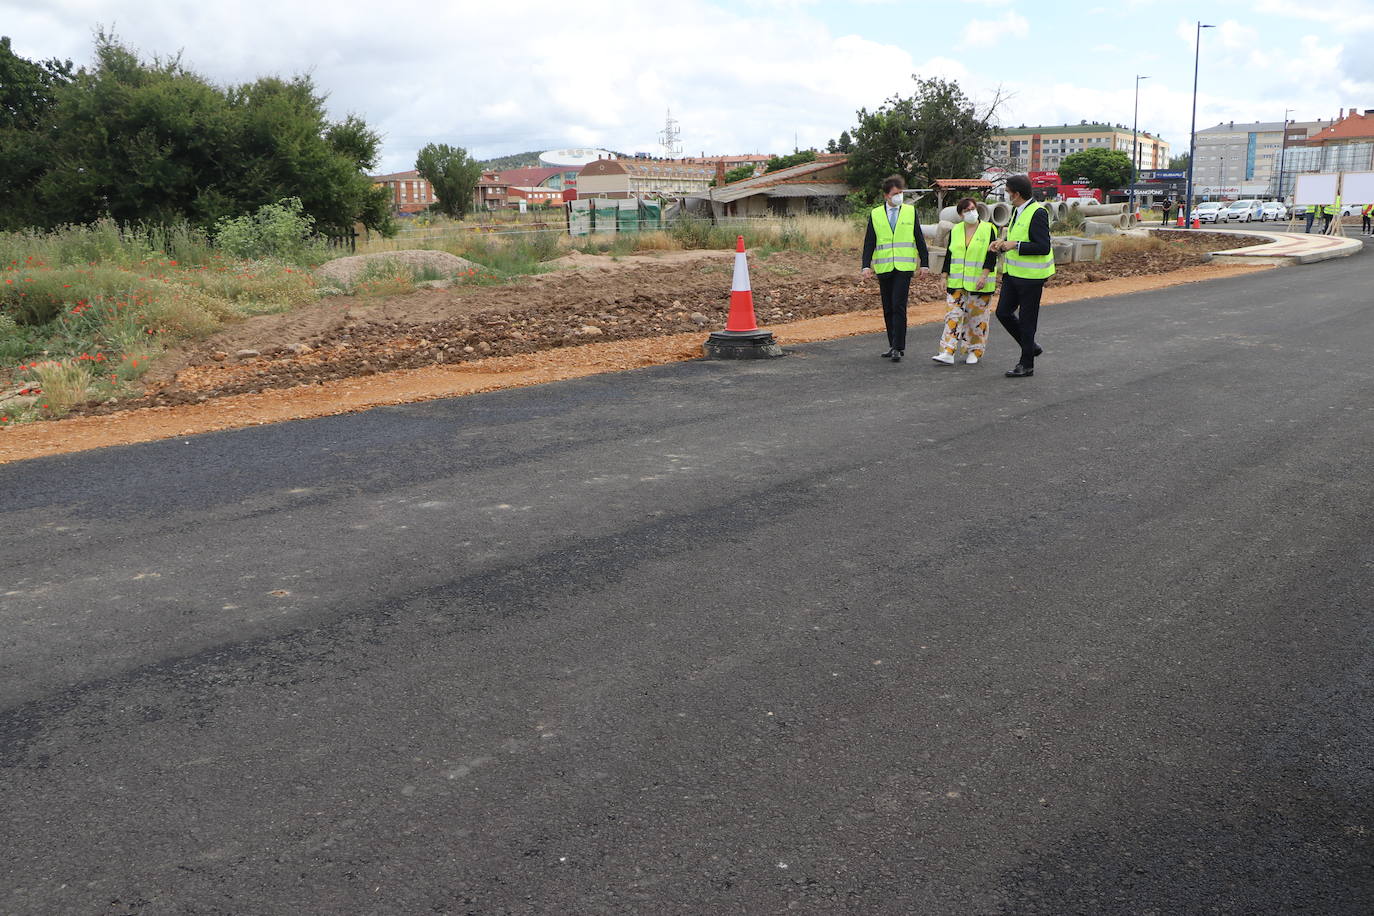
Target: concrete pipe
1103,209
999,213
947,215
1094,229
1056,208
942,232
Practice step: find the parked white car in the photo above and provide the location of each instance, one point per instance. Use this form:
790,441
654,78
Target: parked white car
1272,209
1207,213
1242,211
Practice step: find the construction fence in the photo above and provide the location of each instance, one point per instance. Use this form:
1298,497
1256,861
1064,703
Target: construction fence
602,215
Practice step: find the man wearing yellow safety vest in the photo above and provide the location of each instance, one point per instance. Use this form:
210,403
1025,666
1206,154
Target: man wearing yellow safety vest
1329,211
1366,217
892,245
1028,262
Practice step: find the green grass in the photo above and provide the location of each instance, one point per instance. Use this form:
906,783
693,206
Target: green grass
92,305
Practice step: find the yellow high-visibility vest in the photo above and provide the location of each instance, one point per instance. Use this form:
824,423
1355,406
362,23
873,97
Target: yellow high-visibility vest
896,249
966,258
1027,266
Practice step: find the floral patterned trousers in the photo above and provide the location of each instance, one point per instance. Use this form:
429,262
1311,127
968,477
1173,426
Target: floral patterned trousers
966,324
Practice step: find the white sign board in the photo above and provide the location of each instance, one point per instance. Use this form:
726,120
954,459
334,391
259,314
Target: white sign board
1357,188
1315,189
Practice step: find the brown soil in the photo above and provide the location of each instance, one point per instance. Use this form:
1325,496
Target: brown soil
603,299
329,393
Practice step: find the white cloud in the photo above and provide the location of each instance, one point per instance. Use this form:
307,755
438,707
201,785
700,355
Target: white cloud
985,32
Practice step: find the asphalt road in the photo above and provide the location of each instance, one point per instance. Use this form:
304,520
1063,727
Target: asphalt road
821,634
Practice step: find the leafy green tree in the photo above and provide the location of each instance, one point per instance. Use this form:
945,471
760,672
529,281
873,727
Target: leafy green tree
845,143
937,132
739,174
1104,169
28,94
783,162
152,141
453,174
1179,163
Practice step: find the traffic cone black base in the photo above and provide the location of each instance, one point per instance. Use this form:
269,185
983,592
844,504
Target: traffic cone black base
741,345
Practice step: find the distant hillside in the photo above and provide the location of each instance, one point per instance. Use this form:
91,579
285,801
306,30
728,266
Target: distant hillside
514,161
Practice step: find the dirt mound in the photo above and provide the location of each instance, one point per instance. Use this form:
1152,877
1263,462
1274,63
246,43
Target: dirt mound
344,273
649,297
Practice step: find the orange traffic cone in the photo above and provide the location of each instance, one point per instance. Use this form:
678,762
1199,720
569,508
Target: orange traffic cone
742,338
1179,222
1197,223
741,295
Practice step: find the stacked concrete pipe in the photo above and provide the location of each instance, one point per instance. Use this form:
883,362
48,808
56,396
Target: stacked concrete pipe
1095,209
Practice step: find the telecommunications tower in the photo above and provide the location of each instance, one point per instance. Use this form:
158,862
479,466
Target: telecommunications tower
670,138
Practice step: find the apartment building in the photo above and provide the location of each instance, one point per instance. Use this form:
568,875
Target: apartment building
1041,149
1238,160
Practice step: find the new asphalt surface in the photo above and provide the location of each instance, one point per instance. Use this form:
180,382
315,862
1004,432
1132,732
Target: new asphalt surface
819,634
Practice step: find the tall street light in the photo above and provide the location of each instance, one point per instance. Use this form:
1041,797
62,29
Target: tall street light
1135,143
1192,129
1283,148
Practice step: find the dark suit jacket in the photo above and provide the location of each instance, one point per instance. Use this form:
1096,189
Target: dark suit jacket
871,242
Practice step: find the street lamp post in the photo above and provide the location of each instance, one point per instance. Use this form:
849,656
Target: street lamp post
1135,143
1283,148
1192,129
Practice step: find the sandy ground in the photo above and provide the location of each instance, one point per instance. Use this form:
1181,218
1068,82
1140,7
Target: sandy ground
470,376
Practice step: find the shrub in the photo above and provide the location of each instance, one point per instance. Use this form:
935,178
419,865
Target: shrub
63,383
282,230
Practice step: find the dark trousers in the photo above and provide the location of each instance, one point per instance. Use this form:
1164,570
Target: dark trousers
894,286
1364,222
1164,218
1019,311
1326,222
1311,215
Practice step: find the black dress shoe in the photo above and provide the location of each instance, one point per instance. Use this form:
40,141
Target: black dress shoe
896,356
1020,371
1038,351
888,354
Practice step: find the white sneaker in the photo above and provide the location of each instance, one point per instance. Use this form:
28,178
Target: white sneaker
946,358
972,360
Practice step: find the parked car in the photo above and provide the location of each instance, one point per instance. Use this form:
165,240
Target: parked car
1274,210
1207,213
1242,211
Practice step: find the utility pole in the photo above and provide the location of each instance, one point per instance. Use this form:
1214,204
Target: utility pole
1192,129
1283,149
1135,144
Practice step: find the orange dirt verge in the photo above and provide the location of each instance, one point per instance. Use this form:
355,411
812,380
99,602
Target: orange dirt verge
444,381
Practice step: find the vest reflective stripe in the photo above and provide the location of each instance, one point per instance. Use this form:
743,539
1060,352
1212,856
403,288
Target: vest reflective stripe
1027,266
1333,209
896,250
966,259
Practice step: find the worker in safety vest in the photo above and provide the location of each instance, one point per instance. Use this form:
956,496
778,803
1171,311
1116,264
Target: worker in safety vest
1328,212
1028,261
893,248
970,269
1366,217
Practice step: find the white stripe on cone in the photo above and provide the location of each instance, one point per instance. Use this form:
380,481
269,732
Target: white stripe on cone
741,282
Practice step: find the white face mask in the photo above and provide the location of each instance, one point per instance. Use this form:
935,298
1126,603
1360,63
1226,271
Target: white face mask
970,216
895,200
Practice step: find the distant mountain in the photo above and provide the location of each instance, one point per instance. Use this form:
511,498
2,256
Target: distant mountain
514,161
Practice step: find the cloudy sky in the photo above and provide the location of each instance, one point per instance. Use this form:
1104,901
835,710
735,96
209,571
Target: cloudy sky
743,75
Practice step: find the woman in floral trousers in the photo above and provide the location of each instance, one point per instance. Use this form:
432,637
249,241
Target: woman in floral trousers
971,278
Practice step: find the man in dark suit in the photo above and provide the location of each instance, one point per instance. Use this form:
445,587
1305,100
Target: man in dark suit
894,246
1029,262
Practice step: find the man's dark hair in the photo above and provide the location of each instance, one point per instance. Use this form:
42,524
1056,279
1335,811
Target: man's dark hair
894,182
1021,185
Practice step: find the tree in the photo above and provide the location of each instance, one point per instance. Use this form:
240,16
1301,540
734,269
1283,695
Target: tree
453,175
845,143
1179,163
1104,169
152,141
938,132
28,94
782,162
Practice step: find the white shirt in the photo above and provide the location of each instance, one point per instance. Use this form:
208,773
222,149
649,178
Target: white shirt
1015,215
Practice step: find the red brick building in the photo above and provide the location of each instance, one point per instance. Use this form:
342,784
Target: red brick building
409,192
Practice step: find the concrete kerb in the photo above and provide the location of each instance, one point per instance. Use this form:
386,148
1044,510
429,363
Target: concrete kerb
1279,248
